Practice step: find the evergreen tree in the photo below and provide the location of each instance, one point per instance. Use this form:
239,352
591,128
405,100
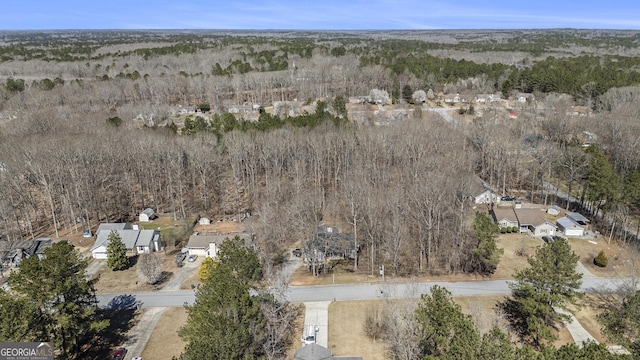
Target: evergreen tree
486,256
51,300
445,332
604,185
550,281
225,322
116,252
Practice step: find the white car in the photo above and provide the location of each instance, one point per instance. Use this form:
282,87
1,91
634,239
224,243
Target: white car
192,258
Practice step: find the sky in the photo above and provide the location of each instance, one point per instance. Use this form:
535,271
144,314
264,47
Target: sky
319,14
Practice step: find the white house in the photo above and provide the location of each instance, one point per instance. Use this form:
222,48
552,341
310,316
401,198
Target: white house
147,215
209,245
569,227
136,242
482,193
533,221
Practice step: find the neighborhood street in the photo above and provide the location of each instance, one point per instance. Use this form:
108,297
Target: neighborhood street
347,292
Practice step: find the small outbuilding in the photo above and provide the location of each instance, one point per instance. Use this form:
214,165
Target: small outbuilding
204,221
554,210
147,215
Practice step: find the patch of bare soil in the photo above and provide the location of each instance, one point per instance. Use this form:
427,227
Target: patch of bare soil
127,280
347,338
164,342
221,225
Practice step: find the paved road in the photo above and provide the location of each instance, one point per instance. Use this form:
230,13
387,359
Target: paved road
298,294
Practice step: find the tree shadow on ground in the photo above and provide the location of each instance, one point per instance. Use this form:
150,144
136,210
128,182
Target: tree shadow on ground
121,313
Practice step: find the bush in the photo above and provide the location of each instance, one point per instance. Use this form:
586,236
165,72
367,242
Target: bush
503,230
514,229
601,260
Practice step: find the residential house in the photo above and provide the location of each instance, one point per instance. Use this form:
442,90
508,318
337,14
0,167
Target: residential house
569,227
183,110
209,245
524,97
554,210
316,352
147,215
13,252
136,241
482,193
242,109
533,221
504,217
488,98
327,242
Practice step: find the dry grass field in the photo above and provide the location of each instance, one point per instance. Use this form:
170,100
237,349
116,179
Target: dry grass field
164,342
346,333
127,281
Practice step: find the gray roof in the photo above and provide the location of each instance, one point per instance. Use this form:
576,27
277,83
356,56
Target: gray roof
312,352
129,238
149,212
145,238
567,223
532,217
577,217
317,352
504,213
203,241
112,226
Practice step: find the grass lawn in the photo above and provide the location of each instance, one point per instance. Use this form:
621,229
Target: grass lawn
164,342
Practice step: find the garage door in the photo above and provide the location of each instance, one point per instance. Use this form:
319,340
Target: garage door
100,255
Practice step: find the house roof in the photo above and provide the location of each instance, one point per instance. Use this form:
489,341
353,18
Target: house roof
567,223
312,352
203,241
555,207
505,213
532,217
129,238
112,226
145,238
579,218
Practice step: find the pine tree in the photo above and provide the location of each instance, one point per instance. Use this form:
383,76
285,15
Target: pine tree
51,300
445,332
116,252
225,322
550,281
486,256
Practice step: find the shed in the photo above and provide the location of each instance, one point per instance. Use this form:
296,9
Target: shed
147,215
569,227
204,221
554,210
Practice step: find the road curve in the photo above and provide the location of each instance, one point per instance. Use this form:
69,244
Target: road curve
345,292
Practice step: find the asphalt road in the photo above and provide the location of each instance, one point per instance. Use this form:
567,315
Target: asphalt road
343,292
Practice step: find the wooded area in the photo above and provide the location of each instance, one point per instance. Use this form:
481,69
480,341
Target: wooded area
405,189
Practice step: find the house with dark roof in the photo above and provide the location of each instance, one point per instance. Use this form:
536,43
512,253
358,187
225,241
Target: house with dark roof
13,252
327,242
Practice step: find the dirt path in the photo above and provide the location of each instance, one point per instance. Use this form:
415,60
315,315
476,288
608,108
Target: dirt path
140,334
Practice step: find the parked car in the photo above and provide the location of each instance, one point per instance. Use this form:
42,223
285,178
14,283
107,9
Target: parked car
508,198
192,258
297,252
119,353
547,239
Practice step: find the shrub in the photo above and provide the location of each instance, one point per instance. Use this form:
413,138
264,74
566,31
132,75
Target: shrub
514,229
503,230
601,260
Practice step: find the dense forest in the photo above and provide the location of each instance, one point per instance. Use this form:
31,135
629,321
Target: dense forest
72,153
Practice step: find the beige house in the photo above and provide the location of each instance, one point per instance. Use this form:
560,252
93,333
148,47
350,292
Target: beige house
209,245
504,217
533,221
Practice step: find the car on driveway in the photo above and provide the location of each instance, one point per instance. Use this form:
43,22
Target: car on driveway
192,258
547,239
508,198
119,353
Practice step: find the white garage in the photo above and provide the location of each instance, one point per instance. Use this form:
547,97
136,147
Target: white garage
569,227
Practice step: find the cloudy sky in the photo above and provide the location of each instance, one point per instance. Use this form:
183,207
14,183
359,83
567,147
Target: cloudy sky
319,14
